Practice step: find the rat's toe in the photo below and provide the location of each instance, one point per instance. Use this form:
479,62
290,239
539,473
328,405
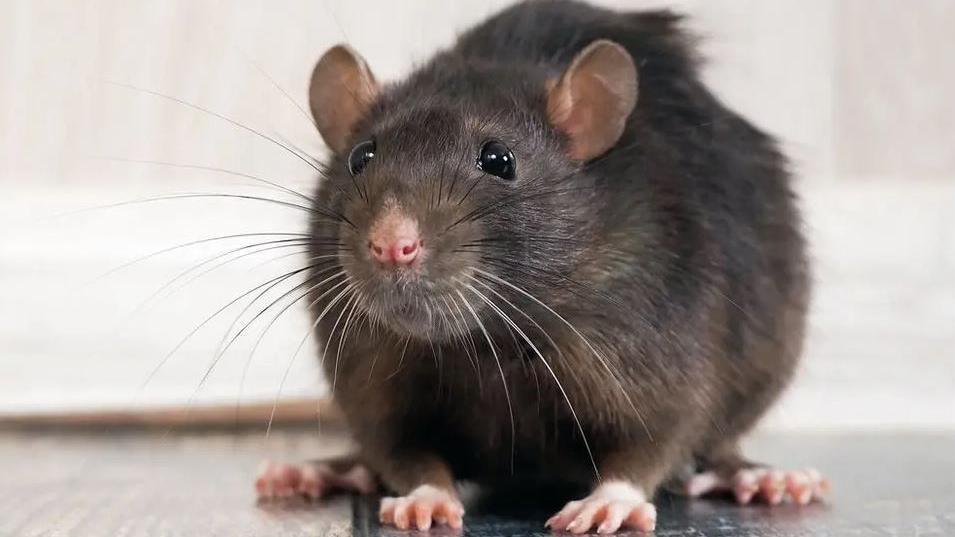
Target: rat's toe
703,483
313,480
422,508
614,518
746,484
592,511
772,487
612,506
565,515
386,511
806,486
312,484
643,517
277,480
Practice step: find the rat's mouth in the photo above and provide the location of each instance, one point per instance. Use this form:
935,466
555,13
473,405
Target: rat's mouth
420,311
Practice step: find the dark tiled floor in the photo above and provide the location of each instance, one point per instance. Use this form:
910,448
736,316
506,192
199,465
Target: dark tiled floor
200,484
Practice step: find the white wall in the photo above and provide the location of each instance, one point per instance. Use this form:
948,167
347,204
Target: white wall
858,90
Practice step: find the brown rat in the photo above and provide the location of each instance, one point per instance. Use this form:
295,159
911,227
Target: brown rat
559,259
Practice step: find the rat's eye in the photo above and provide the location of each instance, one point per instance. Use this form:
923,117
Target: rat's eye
360,155
497,159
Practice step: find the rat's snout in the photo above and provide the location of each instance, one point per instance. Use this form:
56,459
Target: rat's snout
394,240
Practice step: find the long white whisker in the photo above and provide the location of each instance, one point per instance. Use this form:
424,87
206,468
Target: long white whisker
460,337
248,306
341,340
288,368
401,359
500,368
258,341
331,336
221,352
473,344
209,319
600,358
560,386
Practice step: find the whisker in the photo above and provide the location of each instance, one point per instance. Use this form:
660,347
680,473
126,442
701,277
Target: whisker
238,318
188,244
276,317
216,115
278,87
401,359
341,340
600,358
303,251
263,247
187,166
467,342
560,386
288,368
530,319
218,356
208,319
500,369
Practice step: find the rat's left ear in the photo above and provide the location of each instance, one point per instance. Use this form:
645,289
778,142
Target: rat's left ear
591,101
339,94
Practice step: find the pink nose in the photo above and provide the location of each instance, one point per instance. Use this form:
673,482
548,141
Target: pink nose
394,239
400,251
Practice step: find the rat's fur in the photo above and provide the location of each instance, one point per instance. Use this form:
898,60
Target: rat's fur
676,256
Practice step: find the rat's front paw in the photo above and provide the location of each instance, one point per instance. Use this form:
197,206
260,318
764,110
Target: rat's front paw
422,507
612,506
312,480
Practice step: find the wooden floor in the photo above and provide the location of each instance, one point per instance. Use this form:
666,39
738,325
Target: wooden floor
188,484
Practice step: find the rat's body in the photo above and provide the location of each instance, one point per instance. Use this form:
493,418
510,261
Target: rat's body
654,276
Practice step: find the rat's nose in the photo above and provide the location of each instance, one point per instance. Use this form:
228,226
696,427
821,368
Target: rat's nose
401,251
394,240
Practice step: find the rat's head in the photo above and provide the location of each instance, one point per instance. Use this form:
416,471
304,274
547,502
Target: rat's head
464,177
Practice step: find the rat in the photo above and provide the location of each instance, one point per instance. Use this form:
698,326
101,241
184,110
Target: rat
550,255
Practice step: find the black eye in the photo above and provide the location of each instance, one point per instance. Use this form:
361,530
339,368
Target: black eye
497,159
360,155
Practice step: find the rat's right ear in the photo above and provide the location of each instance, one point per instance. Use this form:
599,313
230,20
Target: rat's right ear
340,92
593,98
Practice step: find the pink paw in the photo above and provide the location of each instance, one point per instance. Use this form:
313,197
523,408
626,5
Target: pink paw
421,508
312,480
612,506
767,485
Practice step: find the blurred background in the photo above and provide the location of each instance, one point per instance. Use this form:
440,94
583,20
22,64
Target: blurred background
92,113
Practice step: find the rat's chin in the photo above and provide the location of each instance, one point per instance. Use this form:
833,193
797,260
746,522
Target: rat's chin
406,318
414,316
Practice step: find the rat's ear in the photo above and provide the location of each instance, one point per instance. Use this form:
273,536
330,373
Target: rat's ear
341,89
591,101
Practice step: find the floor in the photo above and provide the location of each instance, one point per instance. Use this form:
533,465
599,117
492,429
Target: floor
185,484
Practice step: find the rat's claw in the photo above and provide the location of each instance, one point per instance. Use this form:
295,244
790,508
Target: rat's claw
421,508
612,506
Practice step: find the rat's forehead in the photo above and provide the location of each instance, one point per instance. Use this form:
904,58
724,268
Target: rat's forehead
409,124
417,120
429,126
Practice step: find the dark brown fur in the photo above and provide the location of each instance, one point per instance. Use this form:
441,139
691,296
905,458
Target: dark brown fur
677,255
